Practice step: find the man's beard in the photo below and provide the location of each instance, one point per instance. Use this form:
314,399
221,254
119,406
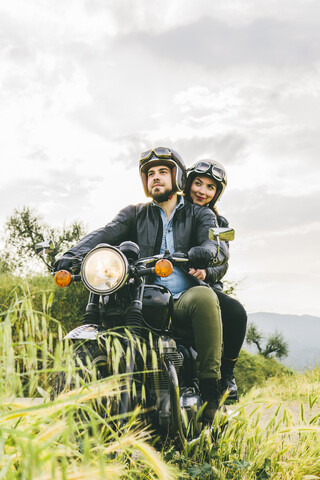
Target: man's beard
161,197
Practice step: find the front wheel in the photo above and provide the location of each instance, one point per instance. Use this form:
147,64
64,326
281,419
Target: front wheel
89,364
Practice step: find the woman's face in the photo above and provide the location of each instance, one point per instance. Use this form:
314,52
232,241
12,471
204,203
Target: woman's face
202,190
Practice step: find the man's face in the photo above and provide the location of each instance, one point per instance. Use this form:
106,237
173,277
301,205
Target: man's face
159,183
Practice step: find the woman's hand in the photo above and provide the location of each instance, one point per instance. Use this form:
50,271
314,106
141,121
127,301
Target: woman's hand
200,273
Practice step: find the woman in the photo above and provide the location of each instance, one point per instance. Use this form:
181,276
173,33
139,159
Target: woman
206,182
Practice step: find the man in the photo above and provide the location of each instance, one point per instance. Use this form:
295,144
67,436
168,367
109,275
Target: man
171,223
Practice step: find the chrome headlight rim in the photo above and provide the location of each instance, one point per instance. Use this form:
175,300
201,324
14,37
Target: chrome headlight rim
119,284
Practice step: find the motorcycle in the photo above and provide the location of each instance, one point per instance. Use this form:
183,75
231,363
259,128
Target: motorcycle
163,379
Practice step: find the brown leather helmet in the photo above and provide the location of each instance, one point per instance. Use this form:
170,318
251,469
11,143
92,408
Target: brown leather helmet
163,156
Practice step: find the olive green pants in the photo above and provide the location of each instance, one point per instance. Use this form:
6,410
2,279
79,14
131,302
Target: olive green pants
197,319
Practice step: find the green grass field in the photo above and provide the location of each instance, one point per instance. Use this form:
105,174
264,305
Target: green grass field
272,433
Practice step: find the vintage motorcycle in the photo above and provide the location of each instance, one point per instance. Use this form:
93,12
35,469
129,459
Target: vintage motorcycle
121,300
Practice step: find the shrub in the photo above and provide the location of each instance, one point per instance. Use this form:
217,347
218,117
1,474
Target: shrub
67,305
253,370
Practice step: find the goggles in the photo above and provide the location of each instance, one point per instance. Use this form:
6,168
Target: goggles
159,152
207,168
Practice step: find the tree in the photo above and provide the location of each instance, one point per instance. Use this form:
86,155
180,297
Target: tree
230,287
277,345
24,229
254,337
6,263
274,345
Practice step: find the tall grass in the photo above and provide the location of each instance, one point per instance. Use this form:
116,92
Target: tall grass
272,433
65,438
265,438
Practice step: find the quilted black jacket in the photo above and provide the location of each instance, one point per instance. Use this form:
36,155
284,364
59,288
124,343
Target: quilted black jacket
142,224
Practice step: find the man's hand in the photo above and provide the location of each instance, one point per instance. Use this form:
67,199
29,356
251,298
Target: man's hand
199,257
64,263
200,273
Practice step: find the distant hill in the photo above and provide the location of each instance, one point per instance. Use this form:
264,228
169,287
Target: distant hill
301,332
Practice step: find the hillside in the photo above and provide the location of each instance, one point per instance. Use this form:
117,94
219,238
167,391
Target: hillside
302,332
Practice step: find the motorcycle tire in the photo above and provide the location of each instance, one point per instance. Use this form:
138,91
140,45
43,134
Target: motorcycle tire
87,354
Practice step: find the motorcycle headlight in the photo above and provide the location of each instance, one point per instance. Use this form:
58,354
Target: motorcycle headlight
104,270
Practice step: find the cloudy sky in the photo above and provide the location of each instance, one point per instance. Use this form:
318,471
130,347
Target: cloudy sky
86,85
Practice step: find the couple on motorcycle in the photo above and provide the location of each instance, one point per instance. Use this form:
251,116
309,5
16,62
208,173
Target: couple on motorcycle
171,222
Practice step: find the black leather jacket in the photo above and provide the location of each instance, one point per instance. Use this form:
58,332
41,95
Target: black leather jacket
142,224
215,274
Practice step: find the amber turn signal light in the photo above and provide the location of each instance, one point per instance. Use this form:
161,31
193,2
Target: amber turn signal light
62,278
163,268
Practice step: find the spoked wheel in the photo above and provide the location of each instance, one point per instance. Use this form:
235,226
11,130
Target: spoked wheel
90,364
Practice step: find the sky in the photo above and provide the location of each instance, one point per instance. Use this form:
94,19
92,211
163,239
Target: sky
86,85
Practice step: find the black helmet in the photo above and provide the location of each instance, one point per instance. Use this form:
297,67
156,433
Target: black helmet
163,156
212,169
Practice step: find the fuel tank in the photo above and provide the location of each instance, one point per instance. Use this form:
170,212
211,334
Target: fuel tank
157,306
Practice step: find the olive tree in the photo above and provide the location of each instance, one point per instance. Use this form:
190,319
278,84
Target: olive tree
24,229
274,345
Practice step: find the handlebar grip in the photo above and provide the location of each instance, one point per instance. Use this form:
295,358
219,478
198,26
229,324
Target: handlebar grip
146,271
75,278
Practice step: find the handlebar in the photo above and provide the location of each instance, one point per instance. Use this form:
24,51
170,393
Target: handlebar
163,266
179,259
174,258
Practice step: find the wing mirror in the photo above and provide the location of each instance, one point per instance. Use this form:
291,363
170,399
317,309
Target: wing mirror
220,234
224,234
43,248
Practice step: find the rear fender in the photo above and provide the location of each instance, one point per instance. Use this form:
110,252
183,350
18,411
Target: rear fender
86,332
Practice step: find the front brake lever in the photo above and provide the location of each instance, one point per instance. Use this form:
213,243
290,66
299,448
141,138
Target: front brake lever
178,257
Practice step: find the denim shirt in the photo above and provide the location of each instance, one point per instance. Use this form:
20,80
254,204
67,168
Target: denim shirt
178,281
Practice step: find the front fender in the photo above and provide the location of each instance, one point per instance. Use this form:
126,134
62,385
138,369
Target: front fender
89,331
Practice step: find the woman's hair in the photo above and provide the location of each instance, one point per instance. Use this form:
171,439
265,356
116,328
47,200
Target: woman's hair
215,210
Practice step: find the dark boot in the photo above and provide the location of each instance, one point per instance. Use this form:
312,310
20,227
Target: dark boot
210,392
227,378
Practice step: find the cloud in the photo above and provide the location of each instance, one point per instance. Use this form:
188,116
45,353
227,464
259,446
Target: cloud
130,148
217,45
257,210
161,16
228,148
58,195
280,293
225,148
298,146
